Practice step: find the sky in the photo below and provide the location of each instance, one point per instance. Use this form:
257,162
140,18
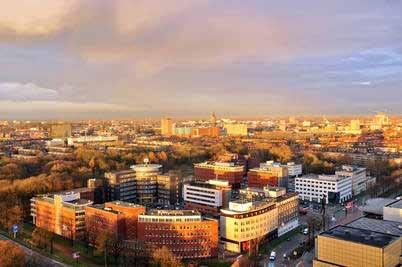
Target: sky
77,59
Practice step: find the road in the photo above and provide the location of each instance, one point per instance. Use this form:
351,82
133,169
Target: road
42,260
307,259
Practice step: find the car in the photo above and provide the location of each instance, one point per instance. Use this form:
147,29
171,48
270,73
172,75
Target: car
305,231
288,239
272,256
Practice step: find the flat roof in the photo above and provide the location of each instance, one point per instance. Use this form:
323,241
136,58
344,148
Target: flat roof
156,212
382,226
362,236
376,205
397,204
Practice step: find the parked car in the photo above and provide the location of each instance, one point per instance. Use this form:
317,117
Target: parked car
305,231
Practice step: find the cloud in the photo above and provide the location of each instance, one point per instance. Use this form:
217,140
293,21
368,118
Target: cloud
25,91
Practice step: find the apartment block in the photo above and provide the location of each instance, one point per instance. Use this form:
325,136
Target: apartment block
232,172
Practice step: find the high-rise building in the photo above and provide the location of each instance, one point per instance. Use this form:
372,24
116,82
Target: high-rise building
119,219
355,127
348,246
166,126
62,213
170,188
146,182
207,197
380,120
232,172
121,185
185,232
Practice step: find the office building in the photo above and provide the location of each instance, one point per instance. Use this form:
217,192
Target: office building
121,185
146,182
119,219
207,197
358,176
236,129
92,140
62,213
246,223
232,172
166,126
137,185
169,188
213,119
185,232
335,189
60,131
349,246
273,174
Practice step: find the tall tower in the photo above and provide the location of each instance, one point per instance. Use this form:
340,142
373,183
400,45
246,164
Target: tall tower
213,119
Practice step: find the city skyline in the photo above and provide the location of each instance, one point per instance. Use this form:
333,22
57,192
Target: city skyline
120,59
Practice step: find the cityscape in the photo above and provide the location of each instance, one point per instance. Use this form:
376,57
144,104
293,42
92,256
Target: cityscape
200,133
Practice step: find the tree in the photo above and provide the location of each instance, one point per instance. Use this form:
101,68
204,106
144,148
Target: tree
11,255
163,257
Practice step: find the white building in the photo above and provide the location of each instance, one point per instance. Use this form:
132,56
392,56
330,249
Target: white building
334,188
358,176
294,170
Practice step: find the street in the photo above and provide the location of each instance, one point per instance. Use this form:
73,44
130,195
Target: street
41,259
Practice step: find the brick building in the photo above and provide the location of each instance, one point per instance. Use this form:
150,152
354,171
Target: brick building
186,233
118,218
227,171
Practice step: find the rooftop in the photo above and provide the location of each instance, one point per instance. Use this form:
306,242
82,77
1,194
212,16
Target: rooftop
397,204
155,212
209,185
376,205
363,236
387,227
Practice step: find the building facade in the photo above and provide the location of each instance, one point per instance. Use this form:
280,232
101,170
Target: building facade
186,233
227,171
121,185
61,213
247,223
169,189
358,176
166,126
146,182
118,219
348,246
333,188
236,129
207,197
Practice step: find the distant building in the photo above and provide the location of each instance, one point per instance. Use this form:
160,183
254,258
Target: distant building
355,127
119,219
207,197
60,131
169,187
335,189
182,131
213,119
185,232
348,246
236,129
92,140
166,126
205,131
358,176
380,121
228,171
62,213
